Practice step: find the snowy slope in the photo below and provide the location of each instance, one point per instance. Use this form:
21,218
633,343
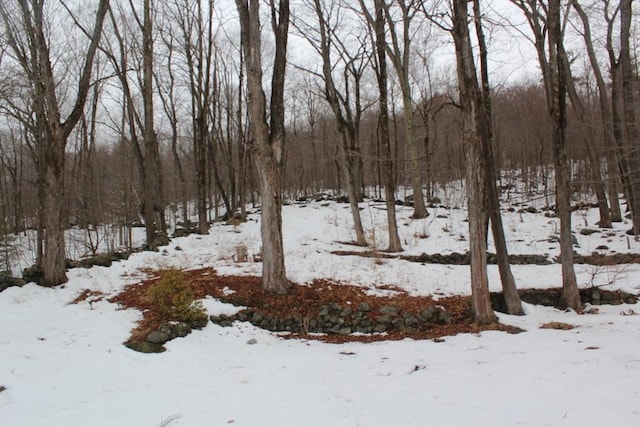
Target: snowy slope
64,365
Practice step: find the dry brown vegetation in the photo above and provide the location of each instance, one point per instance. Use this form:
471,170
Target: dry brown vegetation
305,301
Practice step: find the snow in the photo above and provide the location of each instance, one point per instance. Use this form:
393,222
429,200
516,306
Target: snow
64,364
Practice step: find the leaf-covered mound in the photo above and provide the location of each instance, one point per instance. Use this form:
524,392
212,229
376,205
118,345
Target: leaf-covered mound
405,316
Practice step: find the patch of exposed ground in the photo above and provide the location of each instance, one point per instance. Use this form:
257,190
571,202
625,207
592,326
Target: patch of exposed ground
308,301
342,312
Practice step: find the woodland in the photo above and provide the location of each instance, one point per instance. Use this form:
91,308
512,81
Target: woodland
168,114
319,212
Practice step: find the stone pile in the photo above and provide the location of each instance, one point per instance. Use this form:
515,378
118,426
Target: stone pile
343,320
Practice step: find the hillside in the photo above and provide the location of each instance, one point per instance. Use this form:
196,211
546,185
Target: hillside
64,364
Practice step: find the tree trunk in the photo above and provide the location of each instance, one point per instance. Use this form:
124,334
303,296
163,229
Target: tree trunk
273,269
51,132
419,209
347,123
387,163
594,162
349,168
269,139
474,170
605,114
53,257
629,110
557,112
509,290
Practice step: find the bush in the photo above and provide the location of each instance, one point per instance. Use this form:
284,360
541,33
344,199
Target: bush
173,300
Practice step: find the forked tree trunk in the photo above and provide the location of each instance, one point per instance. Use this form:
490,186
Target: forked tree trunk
347,124
268,139
509,290
31,49
475,170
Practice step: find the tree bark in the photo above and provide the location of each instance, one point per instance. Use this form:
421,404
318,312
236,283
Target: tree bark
52,132
545,24
347,122
605,114
629,113
387,163
557,112
474,169
268,138
594,162
484,122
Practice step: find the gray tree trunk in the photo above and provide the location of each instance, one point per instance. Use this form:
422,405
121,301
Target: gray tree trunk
387,163
509,290
52,132
475,169
268,139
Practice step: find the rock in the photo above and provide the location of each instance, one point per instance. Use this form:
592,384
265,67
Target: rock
389,310
363,329
346,312
335,307
7,281
531,209
145,347
410,320
181,329
199,323
428,313
588,231
158,337
398,323
602,248
385,319
380,327
252,341
444,316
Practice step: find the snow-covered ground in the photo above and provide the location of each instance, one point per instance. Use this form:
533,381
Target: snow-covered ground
65,365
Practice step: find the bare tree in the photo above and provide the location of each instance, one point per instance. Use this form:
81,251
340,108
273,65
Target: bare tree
268,137
631,131
194,40
399,51
387,161
605,114
26,26
345,105
545,22
484,129
125,58
470,97
585,127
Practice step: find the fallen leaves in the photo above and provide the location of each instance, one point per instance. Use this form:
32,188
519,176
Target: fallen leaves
306,301
557,325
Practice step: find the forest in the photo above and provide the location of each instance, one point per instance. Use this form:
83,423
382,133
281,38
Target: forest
319,212
155,113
